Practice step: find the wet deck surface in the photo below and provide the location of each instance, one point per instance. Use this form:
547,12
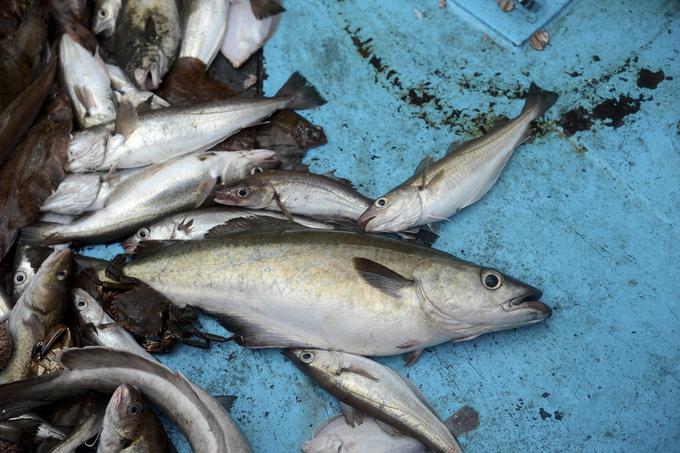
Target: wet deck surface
587,211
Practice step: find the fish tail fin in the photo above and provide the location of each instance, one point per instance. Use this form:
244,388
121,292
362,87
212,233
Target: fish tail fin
23,432
465,419
39,233
303,93
538,100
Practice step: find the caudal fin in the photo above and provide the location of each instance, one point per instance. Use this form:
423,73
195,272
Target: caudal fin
466,419
303,93
539,100
39,233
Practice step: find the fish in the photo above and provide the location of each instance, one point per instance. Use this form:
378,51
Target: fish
27,261
34,170
159,135
40,307
374,389
295,192
206,424
90,426
130,425
205,22
82,192
127,92
105,16
30,430
245,32
337,436
19,116
196,224
147,35
151,193
100,328
358,293
87,83
440,189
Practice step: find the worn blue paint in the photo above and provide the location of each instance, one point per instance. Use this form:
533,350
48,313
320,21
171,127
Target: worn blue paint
591,218
515,26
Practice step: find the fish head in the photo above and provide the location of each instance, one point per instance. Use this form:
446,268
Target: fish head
476,300
105,16
253,193
87,149
123,416
321,365
27,261
147,69
47,291
397,211
236,165
159,232
87,308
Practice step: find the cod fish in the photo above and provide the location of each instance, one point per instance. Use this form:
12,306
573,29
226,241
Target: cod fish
105,16
206,424
87,83
27,261
357,293
126,91
82,192
338,436
153,192
440,189
101,329
146,38
246,33
130,425
374,389
158,135
205,22
33,171
194,225
295,192
39,308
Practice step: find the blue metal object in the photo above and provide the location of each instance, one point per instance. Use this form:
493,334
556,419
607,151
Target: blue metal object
517,25
591,218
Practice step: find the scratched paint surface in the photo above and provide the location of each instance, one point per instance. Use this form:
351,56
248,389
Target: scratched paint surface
587,211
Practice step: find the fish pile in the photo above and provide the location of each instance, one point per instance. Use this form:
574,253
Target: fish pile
143,123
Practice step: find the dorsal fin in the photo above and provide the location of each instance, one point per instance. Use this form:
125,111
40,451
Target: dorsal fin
343,181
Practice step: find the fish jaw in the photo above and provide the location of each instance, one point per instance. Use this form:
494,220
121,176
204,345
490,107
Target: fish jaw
148,78
402,210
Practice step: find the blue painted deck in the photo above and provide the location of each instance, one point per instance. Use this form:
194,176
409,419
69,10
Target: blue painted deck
590,218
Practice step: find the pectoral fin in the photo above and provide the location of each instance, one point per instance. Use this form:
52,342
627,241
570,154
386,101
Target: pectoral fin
126,120
204,189
358,370
353,417
381,277
389,429
86,99
281,206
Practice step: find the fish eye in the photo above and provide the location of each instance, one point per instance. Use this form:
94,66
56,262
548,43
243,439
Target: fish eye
381,202
135,409
492,279
81,304
143,233
19,277
102,12
62,274
242,191
307,357
256,170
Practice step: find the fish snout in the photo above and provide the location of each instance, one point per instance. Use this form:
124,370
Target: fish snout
364,220
129,245
148,79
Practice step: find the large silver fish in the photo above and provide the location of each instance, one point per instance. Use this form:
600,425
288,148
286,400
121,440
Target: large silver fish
146,39
40,307
154,192
295,192
440,189
206,424
157,135
194,225
87,83
335,290
205,22
376,390
131,426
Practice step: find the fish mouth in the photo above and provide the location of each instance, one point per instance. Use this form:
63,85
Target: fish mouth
129,245
365,220
529,301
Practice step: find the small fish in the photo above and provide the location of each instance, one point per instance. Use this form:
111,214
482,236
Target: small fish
131,426
374,389
206,424
158,135
100,328
27,261
440,189
87,83
205,22
126,91
39,308
246,33
105,16
194,225
295,192
34,171
153,192
146,38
